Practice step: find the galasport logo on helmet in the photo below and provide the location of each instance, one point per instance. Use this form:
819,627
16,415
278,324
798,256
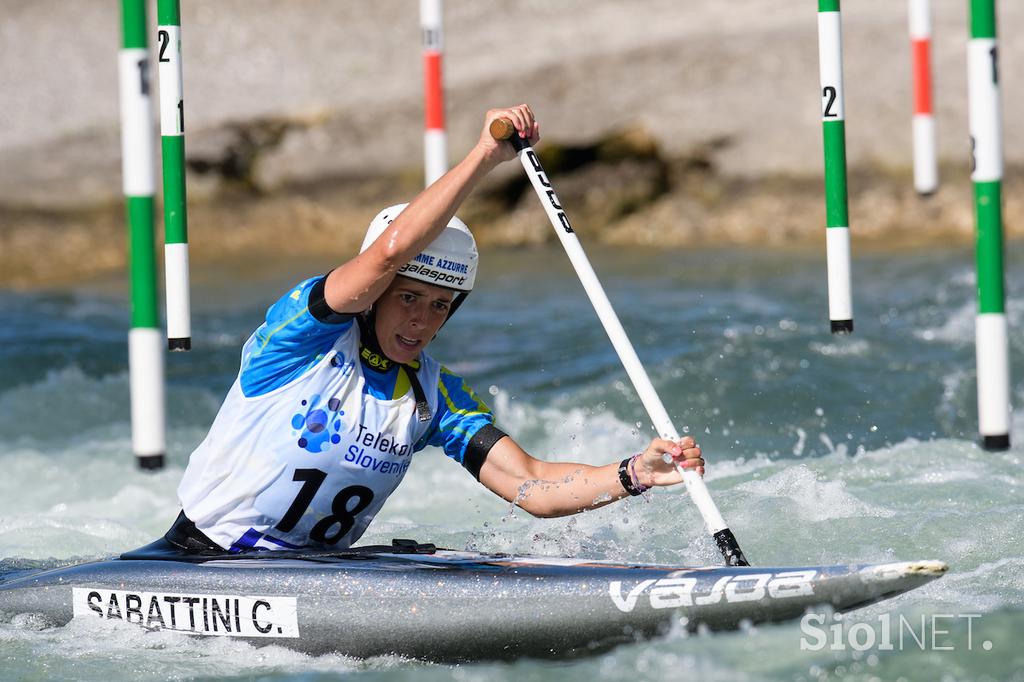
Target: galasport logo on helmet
562,218
424,265
375,360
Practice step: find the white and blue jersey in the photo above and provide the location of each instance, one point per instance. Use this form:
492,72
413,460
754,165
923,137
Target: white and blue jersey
318,430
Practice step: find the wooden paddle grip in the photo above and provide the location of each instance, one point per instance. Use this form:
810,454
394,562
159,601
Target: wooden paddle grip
502,129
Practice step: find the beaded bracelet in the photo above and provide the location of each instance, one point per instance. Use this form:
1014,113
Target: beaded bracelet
633,476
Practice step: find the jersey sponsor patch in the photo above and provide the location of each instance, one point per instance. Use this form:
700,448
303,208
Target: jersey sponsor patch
376,361
319,426
197,614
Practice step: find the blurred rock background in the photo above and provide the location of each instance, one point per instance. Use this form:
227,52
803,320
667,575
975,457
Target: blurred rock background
665,123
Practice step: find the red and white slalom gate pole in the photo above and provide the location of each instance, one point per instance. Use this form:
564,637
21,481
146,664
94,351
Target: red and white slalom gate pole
926,165
435,141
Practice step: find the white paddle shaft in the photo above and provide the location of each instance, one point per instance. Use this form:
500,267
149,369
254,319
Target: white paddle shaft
641,382
637,374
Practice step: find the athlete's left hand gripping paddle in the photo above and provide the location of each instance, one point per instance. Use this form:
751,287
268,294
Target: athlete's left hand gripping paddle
502,129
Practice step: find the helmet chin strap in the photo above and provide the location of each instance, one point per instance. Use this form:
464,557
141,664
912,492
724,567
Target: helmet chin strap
456,302
368,330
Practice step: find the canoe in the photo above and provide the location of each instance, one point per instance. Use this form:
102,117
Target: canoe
422,602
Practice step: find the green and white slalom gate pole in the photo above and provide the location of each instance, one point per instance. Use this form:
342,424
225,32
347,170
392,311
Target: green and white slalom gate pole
502,129
435,143
991,341
172,138
145,346
833,120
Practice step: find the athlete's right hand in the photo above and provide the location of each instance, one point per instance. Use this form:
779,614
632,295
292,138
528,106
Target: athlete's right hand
526,127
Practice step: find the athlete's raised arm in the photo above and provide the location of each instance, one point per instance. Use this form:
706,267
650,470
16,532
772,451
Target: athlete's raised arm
353,286
547,489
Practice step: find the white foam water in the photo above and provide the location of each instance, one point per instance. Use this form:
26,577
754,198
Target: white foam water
820,450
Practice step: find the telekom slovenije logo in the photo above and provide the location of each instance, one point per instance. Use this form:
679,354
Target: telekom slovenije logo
319,427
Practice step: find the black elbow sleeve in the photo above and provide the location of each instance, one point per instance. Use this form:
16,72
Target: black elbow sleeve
479,445
319,308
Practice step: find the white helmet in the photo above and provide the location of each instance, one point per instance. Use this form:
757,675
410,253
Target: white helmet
449,261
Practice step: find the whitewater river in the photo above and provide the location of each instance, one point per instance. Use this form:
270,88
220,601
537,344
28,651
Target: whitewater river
821,450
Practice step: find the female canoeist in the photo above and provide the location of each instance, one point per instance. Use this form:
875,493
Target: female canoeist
336,392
